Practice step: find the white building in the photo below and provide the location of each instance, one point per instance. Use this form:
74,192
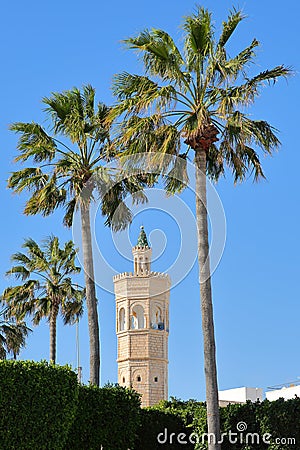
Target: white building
286,392
240,395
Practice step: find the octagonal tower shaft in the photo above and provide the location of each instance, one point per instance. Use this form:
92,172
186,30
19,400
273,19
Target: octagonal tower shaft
142,326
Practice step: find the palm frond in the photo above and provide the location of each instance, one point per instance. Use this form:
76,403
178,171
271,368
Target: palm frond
237,64
241,129
126,85
12,334
239,135
42,310
67,112
118,215
31,179
161,56
34,142
20,272
246,93
149,135
20,258
72,308
228,27
72,113
89,102
69,212
16,337
225,70
198,41
176,180
33,249
46,200
138,94
214,163
20,300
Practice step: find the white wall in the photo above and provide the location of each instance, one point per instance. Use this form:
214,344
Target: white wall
241,395
285,392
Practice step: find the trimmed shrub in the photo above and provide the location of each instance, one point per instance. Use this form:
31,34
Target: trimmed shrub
233,417
42,407
107,416
156,431
37,405
279,420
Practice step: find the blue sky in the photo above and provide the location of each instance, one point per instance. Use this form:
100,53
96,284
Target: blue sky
255,287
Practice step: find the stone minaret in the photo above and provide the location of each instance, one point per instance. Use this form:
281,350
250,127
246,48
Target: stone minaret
142,303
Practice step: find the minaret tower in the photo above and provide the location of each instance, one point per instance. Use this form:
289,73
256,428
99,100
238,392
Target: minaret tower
142,303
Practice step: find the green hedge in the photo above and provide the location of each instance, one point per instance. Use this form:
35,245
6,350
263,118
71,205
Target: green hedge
280,420
37,405
42,407
156,429
108,416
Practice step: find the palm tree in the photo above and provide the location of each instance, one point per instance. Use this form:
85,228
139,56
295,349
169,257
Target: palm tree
69,175
12,335
196,97
47,287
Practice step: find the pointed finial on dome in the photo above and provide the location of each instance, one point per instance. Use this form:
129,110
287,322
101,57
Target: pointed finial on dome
142,239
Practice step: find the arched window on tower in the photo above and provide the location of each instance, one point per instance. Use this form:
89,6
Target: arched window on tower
135,265
122,319
137,317
147,265
157,322
140,269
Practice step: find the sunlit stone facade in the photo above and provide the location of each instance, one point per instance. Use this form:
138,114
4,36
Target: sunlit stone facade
142,325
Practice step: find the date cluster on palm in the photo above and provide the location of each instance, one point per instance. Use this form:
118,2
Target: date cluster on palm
203,138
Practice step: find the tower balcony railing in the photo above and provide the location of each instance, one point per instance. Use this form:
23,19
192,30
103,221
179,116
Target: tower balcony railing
133,275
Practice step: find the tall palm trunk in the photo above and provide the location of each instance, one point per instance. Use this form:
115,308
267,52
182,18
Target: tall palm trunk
91,300
53,322
210,367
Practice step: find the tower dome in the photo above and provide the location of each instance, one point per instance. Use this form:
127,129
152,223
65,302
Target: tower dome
142,239
142,255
